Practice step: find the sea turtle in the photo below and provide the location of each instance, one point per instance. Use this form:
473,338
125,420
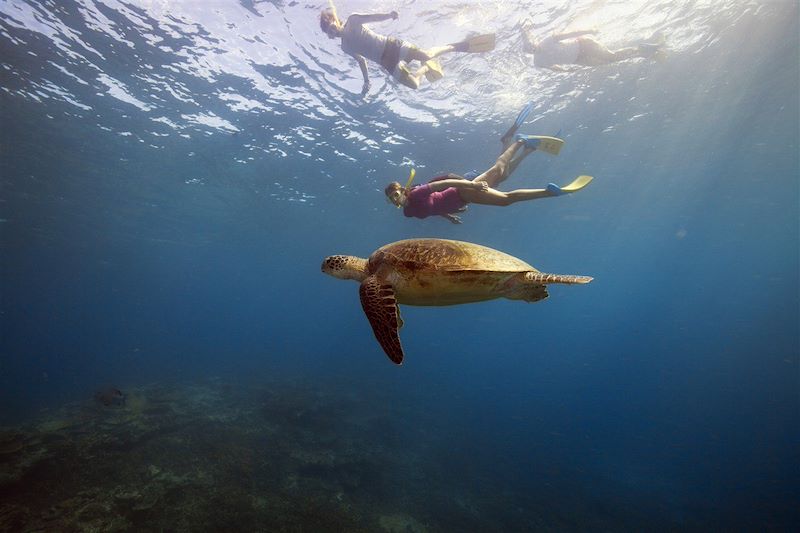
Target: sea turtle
436,272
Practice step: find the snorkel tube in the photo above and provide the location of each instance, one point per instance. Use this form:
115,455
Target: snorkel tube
410,179
333,9
407,187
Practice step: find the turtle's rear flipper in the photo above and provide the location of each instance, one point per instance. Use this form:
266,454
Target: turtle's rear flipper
380,306
531,286
529,292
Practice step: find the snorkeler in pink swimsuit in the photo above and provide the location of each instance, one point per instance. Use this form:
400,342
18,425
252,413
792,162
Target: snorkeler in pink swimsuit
422,201
449,194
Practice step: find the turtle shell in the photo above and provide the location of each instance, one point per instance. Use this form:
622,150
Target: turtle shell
444,272
417,255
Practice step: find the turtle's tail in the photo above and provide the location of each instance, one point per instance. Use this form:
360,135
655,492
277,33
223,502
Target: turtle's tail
541,277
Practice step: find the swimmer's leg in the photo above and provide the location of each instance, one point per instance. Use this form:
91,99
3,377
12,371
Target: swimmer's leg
512,165
504,165
422,56
404,75
500,198
593,53
431,70
494,197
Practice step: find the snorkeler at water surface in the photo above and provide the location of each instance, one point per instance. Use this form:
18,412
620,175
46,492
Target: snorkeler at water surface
448,194
558,50
393,54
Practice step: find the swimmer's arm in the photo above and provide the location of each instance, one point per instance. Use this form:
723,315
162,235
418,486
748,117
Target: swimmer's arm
455,219
362,63
438,186
360,18
573,34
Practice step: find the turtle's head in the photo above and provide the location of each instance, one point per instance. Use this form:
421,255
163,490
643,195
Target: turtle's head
345,267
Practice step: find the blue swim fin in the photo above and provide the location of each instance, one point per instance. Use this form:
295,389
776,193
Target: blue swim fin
523,114
517,122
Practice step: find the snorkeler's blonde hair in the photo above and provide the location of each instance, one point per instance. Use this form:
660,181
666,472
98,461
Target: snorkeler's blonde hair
328,18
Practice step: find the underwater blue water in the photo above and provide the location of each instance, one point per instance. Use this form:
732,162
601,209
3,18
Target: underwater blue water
173,174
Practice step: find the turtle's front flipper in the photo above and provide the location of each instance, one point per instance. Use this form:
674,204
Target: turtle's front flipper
380,306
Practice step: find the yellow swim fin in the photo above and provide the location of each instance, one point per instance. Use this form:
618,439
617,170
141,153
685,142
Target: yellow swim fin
545,143
479,43
434,72
551,145
579,183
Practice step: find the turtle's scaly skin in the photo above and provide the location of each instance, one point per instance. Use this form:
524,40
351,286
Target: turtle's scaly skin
444,272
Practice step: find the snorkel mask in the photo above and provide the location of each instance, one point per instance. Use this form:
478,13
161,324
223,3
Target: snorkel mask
406,188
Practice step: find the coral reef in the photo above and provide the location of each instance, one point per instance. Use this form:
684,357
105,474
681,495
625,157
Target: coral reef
201,457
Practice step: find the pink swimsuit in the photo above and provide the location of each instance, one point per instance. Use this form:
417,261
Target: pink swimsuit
422,202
